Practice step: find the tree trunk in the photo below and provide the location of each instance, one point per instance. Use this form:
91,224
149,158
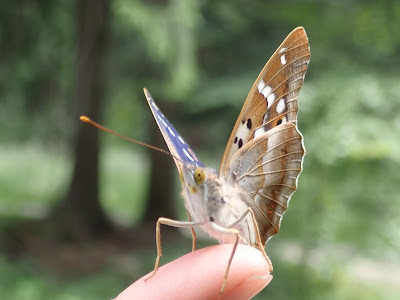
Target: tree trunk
80,216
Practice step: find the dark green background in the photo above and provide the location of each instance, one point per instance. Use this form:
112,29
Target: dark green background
339,239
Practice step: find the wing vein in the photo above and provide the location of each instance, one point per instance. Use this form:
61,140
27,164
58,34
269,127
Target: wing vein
281,184
274,159
265,216
268,150
271,199
273,172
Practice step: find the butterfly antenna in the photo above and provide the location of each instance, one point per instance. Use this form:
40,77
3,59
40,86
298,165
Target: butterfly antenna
91,122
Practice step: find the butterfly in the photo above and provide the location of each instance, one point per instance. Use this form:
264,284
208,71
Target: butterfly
246,200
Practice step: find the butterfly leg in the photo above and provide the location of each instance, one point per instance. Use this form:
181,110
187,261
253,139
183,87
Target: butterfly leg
258,240
230,230
227,231
172,223
257,231
194,236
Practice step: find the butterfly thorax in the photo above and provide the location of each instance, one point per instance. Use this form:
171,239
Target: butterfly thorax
215,200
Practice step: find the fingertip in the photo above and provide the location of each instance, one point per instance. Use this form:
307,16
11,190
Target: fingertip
250,274
200,274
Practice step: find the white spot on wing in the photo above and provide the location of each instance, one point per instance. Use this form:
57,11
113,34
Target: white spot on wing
165,124
242,132
187,154
170,131
265,118
261,86
266,91
154,105
271,98
258,132
161,119
283,59
283,49
181,139
280,107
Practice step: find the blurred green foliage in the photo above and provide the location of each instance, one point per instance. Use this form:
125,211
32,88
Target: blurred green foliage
204,56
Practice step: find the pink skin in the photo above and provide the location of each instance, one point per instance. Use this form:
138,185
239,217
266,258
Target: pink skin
199,275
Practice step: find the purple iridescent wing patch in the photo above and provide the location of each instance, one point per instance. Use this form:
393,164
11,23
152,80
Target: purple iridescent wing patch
175,142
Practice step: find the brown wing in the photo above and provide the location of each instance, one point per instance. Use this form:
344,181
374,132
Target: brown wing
266,171
273,98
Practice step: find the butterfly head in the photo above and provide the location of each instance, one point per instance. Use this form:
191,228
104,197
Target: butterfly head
197,182
199,175
193,177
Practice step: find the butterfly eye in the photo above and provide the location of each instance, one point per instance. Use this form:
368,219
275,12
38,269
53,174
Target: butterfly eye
199,176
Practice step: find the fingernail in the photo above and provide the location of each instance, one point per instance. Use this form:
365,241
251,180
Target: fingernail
249,288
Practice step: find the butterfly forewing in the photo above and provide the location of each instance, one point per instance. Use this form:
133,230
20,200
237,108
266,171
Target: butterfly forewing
273,97
175,142
265,151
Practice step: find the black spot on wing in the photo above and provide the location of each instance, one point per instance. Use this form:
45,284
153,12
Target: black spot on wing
240,144
249,124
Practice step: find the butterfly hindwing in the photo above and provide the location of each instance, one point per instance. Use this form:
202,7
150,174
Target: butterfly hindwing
273,98
175,142
265,151
266,170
